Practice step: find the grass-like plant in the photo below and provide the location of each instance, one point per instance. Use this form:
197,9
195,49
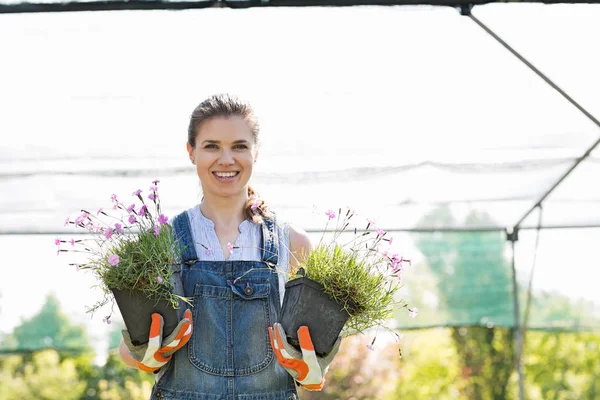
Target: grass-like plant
135,251
357,270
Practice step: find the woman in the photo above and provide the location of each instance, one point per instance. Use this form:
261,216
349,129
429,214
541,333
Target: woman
235,260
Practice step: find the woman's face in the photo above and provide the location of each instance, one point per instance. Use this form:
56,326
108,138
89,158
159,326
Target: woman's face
224,155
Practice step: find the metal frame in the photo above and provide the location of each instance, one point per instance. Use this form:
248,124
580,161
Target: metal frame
465,8
119,5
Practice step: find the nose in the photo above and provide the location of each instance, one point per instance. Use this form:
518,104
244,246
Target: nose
226,158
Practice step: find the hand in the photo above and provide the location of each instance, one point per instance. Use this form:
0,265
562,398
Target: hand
153,355
308,369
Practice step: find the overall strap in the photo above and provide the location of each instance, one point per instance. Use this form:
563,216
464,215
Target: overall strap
182,232
270,241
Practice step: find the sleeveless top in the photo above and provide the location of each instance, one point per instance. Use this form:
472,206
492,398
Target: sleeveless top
229,355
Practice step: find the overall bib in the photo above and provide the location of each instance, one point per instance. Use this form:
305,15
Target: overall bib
229,355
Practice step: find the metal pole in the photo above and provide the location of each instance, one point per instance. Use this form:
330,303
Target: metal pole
513,237
467,11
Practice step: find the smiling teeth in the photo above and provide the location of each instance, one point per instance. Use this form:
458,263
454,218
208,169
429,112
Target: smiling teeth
226,174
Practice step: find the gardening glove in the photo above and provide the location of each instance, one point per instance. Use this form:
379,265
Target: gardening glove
153,355
305,367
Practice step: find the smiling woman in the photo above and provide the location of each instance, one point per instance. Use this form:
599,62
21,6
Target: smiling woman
235,261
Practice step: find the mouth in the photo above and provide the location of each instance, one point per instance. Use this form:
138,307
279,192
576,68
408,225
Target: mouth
226,176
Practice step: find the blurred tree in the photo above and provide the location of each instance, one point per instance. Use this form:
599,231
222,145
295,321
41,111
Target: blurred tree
114,380
49,328
430,367
45,377
562,366
475,288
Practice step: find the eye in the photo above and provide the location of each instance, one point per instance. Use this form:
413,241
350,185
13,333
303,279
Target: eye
240,147
210,146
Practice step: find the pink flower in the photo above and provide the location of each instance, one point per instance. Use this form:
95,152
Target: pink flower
413,312
255,205
130,208
152,196
371,347
99,211
397,263
330,214
383,253
57,241
67,221
370,221
113,259
108,232
80,219
230,247
119,228
390,240
159,279
107,319
379,232
155,182
156,230
143,210
153,188
132,219
113,198
207,252
162,219
77,267
73,242
137,192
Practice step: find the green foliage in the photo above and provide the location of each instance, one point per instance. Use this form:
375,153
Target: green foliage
562,366
475,288
367,295
430,368
44,377
356,273
48,328
136,251
116,381
146,263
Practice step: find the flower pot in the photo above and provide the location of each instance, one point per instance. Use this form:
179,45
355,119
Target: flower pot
305,303
137,309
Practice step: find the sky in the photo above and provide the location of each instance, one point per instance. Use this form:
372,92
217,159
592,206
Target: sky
348,100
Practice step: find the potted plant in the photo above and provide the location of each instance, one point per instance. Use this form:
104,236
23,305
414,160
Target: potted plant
134,258
346,285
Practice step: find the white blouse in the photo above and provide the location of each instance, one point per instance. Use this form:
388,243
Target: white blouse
246,246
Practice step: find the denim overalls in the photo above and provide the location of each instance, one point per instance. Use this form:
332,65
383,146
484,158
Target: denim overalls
229,355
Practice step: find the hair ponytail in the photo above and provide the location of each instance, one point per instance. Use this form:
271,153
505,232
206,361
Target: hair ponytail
261,209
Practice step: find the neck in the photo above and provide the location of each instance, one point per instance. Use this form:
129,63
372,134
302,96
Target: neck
226,212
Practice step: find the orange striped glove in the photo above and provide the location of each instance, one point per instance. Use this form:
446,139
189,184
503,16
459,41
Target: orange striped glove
153,355
305,367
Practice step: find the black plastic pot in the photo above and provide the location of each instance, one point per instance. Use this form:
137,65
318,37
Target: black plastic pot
137,309
305,303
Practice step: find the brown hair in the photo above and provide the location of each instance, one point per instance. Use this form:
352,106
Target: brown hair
225,105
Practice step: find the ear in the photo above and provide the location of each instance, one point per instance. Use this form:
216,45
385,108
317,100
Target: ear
190,150
255,155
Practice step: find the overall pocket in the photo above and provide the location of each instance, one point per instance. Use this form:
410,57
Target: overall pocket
230,329
251,318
